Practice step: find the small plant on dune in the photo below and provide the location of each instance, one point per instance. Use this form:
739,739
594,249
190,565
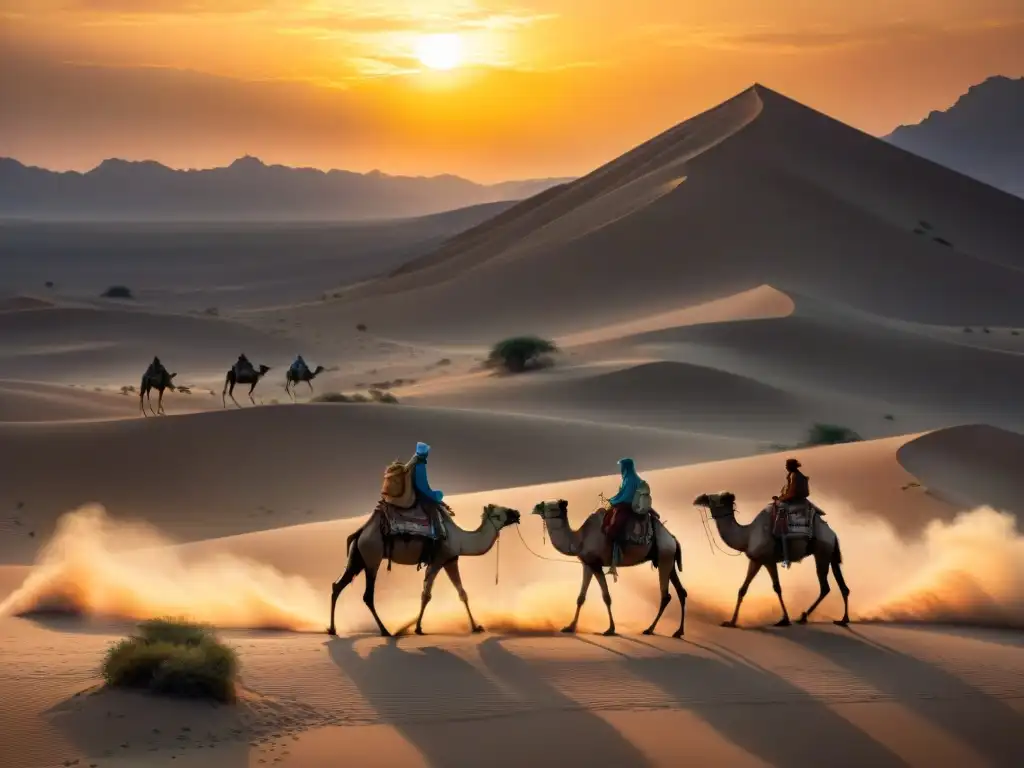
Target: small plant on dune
1015,333
174,657
520,353
830,434
127,389
118,292
361,327
968,329
379,396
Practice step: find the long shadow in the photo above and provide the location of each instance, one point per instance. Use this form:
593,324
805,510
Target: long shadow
761,712
575,736
987,724
443,705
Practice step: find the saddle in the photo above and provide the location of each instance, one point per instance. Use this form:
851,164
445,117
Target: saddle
638,529
795,519
417,522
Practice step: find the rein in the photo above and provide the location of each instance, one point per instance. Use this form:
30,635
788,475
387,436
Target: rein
712,543
543,557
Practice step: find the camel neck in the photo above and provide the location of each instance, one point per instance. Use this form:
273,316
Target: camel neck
563,537
734,535
478,542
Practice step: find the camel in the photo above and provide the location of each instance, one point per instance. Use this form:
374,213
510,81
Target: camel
291,378
594,550
159,381
369,551
248,376
764,550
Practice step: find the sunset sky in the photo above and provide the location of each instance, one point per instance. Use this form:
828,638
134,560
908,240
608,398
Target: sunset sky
544,88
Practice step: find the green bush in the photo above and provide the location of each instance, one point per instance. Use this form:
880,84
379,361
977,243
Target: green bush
176,658
520,353
831,434
379,396
118,292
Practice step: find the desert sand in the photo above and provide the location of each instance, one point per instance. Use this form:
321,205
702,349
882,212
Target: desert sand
713,293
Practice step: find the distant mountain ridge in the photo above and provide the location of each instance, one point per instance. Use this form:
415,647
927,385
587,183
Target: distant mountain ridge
248,189
981,135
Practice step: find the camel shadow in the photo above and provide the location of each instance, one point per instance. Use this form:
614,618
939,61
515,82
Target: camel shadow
593,740
760,712
985,723
454,714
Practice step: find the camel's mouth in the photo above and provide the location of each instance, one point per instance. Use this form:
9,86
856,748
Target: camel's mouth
513,517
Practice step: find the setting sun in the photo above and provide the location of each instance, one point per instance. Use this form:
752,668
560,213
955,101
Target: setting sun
440,51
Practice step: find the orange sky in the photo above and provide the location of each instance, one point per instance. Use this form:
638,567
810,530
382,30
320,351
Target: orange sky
550,87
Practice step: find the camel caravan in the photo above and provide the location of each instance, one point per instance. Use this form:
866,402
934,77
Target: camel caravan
412,526
242,372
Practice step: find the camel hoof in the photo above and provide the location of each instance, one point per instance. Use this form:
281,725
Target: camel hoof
729,624
842,623
478,629
609,633
332,632
648,631
783,623
385,633
802,620
419,631
678,634
569,630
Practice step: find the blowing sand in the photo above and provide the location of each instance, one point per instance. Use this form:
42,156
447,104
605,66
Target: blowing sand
713,294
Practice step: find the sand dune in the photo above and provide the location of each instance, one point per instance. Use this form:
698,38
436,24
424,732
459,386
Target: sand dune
714,291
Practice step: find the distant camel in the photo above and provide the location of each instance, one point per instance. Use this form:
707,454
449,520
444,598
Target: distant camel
593,549
763,549
248,376
369,551
159,381
291,378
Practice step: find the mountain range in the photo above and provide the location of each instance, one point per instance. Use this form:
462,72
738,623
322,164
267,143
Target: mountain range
981,135
248,189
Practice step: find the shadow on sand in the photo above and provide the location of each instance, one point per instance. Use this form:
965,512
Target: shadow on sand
985,723
456,715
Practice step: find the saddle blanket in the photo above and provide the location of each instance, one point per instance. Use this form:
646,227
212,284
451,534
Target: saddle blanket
795,519
638,529
416,521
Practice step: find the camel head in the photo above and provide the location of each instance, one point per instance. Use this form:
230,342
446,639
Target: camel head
720,504
552,510
263,370
319,369
500,516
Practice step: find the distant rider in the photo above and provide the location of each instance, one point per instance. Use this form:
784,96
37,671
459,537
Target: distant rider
796,490
298,368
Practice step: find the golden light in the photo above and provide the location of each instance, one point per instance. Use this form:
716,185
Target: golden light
439,51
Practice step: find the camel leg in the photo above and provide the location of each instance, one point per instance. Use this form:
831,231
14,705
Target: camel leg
371,582
821,566
681,594
355,565
844,590
752,569
288,389
773,571
603,583
664,569
428,586
310,383
587,576
160,402
452,569
251,390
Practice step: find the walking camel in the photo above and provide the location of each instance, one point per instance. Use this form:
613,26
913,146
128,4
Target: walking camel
592,547
764,550
159,381
245,376
293,377
366,550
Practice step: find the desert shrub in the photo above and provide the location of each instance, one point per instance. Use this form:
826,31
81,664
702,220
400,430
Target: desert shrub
889,417
1015,333
831,434
520,353
127,389
985,330
49,283
361,327
212,311
443,362
943,241
332,397
968,329
173,657
118,292
382,397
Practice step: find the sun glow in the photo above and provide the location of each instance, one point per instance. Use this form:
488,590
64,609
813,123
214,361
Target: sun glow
440,51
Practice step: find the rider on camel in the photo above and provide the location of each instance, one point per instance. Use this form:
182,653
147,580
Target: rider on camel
242,364
155,369
298,367
428,498
796,490
620,506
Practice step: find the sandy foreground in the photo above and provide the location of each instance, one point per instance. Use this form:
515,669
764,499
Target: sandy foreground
714,293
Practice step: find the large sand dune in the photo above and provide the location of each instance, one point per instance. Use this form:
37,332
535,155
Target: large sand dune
714,293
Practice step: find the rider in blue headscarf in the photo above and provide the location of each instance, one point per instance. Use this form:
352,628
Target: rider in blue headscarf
420,482
630,482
